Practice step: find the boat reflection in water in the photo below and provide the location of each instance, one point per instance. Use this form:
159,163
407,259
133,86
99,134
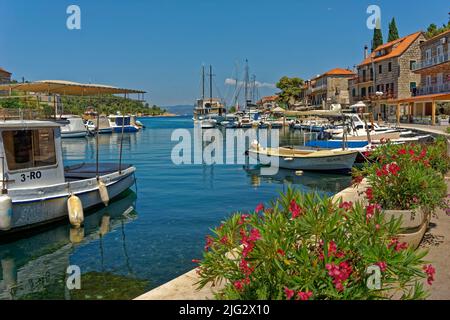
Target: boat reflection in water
29,267
329,184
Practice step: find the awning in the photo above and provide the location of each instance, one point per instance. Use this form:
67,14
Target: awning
426,98
278,110
67,88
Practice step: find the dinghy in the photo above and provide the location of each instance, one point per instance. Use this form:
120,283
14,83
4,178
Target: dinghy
36,187
311,160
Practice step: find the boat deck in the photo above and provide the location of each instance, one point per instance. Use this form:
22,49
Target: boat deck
84,171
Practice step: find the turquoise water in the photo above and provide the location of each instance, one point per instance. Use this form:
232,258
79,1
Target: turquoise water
151,234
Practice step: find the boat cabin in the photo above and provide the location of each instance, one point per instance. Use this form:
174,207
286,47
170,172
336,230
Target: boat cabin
30,153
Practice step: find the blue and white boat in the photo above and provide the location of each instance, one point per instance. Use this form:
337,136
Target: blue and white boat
118,121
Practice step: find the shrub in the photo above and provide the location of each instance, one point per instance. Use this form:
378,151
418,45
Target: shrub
310,247
403,177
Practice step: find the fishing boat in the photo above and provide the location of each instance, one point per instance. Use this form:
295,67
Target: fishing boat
36,187
122,122
311,160
72,127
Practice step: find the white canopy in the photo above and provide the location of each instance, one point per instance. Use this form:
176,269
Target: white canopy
359,104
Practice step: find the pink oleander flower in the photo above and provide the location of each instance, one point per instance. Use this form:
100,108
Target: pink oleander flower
209,243
224,240
430,271
346,205
238,285
393,168
303,296
195,261
295,209
382,265
281,252
243,219
369,194
259,208
255,235
289,293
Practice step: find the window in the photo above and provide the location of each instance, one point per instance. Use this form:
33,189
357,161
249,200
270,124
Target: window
428,54
380,69
353,92
390,67
440,50
411,64
29,148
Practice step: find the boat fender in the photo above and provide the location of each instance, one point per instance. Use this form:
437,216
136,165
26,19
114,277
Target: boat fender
5,212
288,159
299,173
103,193
76,235
75,208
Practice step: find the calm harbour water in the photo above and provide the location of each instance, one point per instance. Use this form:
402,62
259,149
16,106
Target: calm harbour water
150,235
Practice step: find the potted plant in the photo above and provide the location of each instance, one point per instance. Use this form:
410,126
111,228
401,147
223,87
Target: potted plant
307,246
407,182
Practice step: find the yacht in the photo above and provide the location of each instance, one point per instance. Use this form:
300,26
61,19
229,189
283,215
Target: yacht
104,125
72,127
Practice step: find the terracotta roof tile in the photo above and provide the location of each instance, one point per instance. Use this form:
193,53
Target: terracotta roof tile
3,70
398,46
336,72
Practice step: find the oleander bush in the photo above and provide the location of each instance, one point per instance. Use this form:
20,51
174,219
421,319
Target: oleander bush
403,177
305,246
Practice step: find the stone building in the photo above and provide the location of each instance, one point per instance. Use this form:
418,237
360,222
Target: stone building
430,103
5,76
329,89
268,103
386,75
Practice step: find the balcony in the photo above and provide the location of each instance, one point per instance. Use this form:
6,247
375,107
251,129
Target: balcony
431,62
442,88
319,88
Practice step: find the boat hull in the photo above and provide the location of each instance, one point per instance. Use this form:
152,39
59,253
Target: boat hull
35,207
338,162
118,129
74,134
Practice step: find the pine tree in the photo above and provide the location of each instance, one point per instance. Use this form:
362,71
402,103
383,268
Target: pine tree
393,31
377,39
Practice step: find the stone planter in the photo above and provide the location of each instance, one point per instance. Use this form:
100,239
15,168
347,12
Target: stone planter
414,224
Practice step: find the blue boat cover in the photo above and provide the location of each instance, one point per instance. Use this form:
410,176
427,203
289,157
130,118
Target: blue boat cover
335,144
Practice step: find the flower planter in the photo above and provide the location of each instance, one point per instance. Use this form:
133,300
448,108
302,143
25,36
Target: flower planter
414,225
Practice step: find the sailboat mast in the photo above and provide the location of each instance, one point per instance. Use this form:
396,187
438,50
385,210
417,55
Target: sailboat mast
203,83
246,83
210,84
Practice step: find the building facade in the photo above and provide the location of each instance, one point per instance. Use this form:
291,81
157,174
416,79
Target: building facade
430,103
330,88
387,75
5,76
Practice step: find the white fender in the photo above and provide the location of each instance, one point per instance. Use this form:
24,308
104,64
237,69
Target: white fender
5,212
103,193
75,208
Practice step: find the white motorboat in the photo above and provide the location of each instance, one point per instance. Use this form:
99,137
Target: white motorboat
36,185
124,123
208,123
104,125
312,160
72,127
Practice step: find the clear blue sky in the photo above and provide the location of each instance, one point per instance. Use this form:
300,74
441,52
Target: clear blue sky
159,46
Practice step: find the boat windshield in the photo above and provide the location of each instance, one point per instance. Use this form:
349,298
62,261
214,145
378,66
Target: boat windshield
29,148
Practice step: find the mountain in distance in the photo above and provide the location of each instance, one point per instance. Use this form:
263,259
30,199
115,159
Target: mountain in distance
180,109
